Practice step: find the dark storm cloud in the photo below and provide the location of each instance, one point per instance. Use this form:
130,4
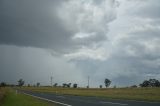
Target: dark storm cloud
32,23
52,24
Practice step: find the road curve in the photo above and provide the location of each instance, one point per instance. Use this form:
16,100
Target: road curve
70,100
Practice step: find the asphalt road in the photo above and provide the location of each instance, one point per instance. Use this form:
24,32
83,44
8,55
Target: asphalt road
69,100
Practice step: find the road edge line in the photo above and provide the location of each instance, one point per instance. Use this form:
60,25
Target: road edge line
104,102
47,99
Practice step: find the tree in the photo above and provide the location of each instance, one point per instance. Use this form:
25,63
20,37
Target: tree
28,85
154,83
20,82
107,82
3,84
69,85
38,84
133,86
145,84
150,83
55,85
100,86
64,85
75,85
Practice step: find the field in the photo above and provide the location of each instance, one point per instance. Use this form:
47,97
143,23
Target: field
143,94
12,98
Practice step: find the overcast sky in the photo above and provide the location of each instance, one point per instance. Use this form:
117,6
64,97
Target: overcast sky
73,39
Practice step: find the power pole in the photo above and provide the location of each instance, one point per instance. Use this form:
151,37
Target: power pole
51,81
88,82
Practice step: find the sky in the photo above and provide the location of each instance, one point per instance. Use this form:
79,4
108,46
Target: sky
73,39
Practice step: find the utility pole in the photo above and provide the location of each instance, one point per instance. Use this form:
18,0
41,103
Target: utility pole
51,81
88,82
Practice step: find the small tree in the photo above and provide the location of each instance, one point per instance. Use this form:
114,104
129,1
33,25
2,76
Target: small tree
20,82
107,82
75,85
3,84
38,84
55,85
69,85
100,86
133,86
28,85
64,85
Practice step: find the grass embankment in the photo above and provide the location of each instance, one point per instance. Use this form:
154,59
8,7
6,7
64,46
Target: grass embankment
143,94
16,99
2,94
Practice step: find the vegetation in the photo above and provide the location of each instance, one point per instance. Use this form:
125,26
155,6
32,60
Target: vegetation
149,90
75,85
148,94
55,85
20,82
66,85
38,84
14,99
150,83
2,94
3,84
107,82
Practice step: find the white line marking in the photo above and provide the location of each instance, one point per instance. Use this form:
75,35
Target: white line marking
47,99
136,101
114,103
141,101
60,96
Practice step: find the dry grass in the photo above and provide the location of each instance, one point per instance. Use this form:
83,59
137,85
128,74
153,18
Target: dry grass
147,94
2,93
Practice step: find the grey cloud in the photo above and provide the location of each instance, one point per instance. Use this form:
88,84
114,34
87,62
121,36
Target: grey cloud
69,27
137,52
150,10
44,24
32,23
145,9
135,55
39,24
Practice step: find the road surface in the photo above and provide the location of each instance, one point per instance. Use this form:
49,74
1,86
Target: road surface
69,100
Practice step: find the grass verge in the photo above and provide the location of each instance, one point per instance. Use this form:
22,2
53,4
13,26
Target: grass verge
142,94
16,99
2,94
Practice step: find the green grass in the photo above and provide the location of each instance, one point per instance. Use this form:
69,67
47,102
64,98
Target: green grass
142,94
13,99
2,94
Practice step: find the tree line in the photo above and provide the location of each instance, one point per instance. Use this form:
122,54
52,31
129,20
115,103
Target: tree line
107,82
150,83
